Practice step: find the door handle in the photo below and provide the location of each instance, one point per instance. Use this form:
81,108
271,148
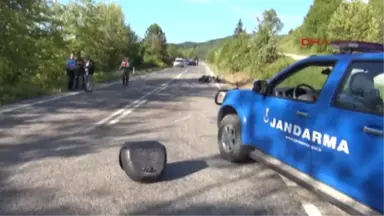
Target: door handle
373,131
301,113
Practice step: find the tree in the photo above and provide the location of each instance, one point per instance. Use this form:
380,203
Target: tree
265,40
316,21
355,21
239,28
378,7
173,51
249,53
155,43
270,22
37,36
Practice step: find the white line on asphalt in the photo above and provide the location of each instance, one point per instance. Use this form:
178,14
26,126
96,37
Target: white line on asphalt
211,73
118,112
38,102
126,110
182,119
64,95
288,182
311,209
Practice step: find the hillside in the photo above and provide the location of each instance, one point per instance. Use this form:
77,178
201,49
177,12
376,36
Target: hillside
203,48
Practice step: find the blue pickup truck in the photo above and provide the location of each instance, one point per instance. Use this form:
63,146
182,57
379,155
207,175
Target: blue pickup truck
322,115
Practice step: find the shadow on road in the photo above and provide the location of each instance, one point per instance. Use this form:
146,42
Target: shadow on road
185,204
39,206
181,169
206,209
54,129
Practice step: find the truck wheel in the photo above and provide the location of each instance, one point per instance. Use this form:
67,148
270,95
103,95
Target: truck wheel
229,140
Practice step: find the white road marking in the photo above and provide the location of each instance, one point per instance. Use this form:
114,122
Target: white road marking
64,95
181,119
127,112
288,182
311,209
319,187
38,102
137,103
123,111
79,158
120,111
211,73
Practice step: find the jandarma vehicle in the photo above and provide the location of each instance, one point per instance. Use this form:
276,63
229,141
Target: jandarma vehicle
322,115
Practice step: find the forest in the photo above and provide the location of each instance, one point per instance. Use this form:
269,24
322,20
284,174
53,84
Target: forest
260,54
38,36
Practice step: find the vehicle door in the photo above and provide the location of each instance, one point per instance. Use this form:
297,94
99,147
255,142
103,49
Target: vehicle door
351,156
282,121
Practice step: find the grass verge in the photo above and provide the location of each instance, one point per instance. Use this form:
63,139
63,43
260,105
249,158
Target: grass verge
244,79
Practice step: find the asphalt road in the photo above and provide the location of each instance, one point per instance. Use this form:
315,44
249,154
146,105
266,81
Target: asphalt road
61,156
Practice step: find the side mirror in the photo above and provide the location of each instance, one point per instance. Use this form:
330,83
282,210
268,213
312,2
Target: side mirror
220,95
260,86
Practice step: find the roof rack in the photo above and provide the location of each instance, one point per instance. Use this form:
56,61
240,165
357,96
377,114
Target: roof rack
345,46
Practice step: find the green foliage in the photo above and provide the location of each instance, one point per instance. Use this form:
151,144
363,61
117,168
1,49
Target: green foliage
202,49
174,51
245,53
239,28
352,16
37,36
272,69
155,44
378,9
316,23
337,19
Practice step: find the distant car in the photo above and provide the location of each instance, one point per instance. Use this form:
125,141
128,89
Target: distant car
192,62
323,115
179,62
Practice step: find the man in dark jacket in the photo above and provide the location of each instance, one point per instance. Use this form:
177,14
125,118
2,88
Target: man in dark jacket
70,68
89,70
80,72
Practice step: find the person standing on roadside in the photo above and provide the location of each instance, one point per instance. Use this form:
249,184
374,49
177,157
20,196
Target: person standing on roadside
80,72
70,68
125,67
89,70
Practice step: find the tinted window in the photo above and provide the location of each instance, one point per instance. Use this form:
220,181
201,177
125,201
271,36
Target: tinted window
305,82
362,88
311,75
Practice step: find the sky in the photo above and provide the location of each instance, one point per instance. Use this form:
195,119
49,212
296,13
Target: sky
202,20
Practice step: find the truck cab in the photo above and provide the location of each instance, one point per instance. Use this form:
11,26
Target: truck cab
323,115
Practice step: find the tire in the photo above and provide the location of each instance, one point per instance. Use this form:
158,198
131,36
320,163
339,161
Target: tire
230,146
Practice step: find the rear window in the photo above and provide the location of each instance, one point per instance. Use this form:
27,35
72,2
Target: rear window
362,90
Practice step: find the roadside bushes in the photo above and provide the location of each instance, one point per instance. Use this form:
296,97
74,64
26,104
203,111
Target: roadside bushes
250,53
38,37
337,20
